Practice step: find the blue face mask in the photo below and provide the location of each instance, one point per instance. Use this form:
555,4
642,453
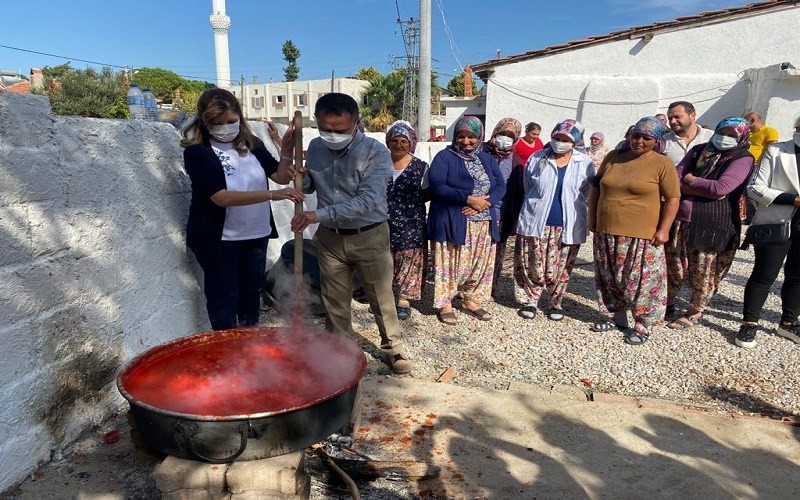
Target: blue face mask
723,142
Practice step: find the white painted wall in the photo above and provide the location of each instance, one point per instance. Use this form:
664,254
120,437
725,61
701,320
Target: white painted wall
456,107
609,86
93,270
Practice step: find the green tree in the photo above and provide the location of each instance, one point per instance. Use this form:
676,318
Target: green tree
290,54
56,72
89,92
163,83
369,74
456,86
384,98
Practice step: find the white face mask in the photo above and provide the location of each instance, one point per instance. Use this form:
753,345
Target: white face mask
723,142
560,147
796,138
226,132
336,142
503,142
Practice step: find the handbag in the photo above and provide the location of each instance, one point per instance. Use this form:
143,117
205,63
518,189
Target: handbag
767,234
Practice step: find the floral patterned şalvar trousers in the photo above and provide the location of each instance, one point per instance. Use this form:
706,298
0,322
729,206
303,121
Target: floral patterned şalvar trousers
409,266
630,275
543,263
703,270
466,268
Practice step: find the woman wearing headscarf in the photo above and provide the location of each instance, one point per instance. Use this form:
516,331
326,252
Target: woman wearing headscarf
706,232
597,148
553,221
406,216
465,183
501,146
631,225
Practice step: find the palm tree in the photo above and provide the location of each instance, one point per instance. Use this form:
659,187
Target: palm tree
384,98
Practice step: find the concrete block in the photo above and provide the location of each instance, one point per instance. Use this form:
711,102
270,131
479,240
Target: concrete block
194,495
283,474
174,474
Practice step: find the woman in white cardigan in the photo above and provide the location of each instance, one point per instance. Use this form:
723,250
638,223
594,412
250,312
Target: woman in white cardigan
553,221
775,188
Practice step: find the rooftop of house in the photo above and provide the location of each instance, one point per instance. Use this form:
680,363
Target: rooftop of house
708,17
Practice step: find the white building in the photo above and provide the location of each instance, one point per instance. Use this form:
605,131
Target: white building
278,101
725,62
456,107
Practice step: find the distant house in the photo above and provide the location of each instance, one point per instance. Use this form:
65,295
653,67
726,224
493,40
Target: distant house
13,81
725,62
278,101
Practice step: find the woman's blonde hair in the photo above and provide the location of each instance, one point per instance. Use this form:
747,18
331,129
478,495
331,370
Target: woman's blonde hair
211,106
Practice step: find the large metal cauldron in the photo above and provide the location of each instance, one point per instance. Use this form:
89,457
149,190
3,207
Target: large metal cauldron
242,394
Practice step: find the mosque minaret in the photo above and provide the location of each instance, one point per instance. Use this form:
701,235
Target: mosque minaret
220,22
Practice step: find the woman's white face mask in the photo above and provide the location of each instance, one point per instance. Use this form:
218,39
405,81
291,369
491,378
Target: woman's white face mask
723,142
503,142
226,132
560,147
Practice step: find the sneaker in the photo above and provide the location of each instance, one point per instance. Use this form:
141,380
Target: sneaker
790,331
400,364
747,335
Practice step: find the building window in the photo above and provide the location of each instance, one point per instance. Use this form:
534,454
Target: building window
279,100
257,102
255,91
300,100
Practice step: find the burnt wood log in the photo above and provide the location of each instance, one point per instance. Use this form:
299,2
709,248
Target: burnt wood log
368,469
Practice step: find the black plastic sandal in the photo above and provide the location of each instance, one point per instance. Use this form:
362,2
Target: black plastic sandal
555,314
527,312
403,313
636,336
604,326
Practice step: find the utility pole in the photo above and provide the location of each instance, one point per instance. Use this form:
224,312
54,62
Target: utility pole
332,80
410,31
424,109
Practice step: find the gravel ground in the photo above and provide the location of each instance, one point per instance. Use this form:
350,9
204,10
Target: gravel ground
697,366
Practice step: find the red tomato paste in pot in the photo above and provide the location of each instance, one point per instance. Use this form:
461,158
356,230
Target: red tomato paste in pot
244,372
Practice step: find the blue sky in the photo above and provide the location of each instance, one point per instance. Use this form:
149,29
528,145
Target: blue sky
338,35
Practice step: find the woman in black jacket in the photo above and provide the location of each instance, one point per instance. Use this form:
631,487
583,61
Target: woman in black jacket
230,218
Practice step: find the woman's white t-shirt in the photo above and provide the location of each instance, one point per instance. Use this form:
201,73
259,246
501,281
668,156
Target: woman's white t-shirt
243,173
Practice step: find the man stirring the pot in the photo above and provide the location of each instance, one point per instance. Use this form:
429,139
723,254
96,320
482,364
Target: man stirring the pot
350,173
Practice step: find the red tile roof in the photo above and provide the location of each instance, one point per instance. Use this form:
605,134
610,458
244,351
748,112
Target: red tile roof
23,87
482,69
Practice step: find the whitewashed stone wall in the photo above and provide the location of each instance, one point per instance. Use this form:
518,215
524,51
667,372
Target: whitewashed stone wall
93,268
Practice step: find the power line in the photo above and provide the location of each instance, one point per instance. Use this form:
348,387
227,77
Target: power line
453,46
84,60
522,93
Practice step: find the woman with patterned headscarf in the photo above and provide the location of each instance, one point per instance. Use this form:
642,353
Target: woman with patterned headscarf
707,229
465,183
631,225
553,221
597,148
501,147
406,216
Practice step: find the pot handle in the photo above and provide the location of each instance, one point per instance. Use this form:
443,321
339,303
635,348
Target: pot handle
187,438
